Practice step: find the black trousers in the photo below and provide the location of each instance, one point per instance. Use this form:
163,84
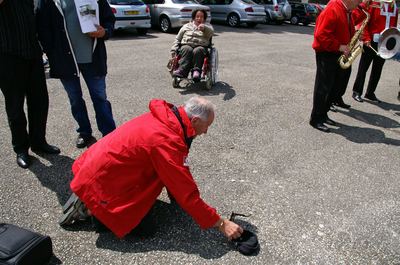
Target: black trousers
330,84
20,79
367,57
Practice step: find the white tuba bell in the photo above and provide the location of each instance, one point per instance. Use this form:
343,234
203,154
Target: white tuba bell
389,43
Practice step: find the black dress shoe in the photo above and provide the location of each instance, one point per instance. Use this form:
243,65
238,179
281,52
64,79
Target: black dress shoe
357,97
333,108
46,149
341,104
320,126
23,160
398,96
85,141
330,122
372,97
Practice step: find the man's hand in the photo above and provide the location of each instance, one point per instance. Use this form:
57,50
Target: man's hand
367,43
230,229
99,33
344,49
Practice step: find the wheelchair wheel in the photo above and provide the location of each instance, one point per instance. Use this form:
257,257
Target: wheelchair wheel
212,75
175,82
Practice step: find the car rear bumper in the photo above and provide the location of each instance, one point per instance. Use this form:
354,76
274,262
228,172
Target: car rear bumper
178,21
124,22
258,18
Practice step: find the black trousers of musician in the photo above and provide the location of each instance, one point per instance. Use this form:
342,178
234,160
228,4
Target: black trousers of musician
367,57
20,79
330,82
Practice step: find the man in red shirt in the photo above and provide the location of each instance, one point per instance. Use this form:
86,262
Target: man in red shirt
118,179
380,19
333,31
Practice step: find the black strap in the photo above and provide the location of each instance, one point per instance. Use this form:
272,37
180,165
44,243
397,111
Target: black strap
178,116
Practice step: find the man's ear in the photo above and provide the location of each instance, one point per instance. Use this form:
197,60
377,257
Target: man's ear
195,119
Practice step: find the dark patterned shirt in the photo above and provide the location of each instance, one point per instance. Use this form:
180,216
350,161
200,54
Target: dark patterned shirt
17,29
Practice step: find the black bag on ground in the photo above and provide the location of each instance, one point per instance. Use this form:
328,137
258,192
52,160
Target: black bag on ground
19,246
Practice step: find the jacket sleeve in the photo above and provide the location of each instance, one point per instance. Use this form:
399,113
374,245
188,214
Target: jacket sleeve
43,24
107,18
178,39
169,165
208,31
326,29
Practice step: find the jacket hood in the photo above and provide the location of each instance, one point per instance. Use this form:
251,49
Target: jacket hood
161,110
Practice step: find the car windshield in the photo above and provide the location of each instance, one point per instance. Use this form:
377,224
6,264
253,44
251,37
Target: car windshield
249,2
127,2
184,2
311,8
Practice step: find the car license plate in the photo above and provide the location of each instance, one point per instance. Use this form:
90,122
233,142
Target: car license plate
131,12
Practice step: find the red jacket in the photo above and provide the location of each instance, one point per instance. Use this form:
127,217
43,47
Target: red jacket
377,21
120,177
332,28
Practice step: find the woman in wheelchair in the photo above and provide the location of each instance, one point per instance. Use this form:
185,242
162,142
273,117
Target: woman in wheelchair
191,44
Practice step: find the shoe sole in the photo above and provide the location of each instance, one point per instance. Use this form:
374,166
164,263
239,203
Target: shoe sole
70,202
71,214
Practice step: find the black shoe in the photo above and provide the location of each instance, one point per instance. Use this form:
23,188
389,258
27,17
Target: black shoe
372,97
320,126
46,149
340,103
333,108
357,97
398,96
23,160
85,141
330,122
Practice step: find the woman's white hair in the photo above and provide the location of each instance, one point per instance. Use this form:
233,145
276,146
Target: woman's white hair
199,107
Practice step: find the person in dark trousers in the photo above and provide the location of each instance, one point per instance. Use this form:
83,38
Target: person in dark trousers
22,77
380,19
72,53
333,31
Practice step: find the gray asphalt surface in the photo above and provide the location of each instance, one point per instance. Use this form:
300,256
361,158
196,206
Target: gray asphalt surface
315,198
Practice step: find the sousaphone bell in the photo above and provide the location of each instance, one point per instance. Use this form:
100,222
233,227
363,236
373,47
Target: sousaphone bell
389,43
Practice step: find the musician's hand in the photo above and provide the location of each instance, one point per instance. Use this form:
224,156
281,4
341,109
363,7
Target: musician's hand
344,49
367,43
99,33
230,229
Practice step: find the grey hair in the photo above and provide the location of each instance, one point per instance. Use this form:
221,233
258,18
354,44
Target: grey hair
199,107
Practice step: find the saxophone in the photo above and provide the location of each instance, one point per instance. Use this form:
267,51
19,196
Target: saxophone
354,45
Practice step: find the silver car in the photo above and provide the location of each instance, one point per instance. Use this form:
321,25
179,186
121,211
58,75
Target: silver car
169,14
235,12
276,10
131,14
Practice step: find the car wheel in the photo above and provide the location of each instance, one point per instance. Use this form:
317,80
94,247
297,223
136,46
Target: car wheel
233,20
165,24
251,24
141,31
294,20
267,19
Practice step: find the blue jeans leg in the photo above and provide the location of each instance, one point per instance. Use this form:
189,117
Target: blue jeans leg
78,106
102,107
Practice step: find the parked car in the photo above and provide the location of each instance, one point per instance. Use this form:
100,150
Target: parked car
169,14
235,12
276,10
131,14
303,13
318,7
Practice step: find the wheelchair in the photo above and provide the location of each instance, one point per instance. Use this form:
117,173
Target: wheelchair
209,72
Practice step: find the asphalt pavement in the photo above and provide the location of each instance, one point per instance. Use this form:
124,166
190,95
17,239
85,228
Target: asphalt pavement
314,198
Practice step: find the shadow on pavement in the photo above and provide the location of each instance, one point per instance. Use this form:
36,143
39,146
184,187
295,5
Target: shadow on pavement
364,135
174,231
55,176
387,106
218,88
371,118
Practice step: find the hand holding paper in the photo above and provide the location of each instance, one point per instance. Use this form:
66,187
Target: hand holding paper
99,33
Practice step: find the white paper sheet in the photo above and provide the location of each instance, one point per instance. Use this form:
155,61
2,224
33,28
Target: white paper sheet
88,14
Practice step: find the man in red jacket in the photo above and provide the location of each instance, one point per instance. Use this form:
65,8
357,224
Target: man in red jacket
118,179
382,16
333,31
